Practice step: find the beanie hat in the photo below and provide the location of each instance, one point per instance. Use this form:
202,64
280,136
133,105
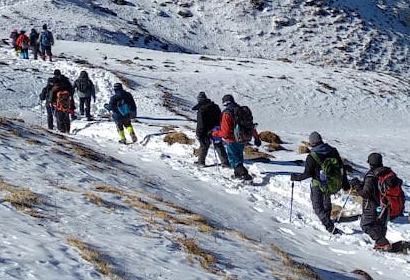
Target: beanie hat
44,26
315,138
117,86
201,96
375,159
57,72
227,99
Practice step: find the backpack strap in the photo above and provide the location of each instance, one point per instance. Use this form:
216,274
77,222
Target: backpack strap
316,158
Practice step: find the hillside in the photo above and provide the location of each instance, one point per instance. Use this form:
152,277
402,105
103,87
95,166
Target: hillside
374,35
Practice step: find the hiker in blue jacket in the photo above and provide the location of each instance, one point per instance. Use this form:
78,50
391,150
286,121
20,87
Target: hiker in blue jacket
46,40
123,109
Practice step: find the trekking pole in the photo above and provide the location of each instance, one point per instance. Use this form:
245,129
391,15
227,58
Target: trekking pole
216,158
341,211
291,202
41,113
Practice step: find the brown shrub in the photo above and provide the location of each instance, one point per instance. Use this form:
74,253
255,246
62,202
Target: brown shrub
303,150
270,137
178,137
254,153
272,147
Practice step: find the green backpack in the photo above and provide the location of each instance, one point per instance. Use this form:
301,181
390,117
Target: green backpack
330,177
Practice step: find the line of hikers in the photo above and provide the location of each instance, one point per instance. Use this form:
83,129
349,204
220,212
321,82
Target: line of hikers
58,95
39,43
383,197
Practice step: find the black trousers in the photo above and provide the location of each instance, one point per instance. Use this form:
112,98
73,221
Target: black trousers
85,106
63,121
204,144
50,116
322,206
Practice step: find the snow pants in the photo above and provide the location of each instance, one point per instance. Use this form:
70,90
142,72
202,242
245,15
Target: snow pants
235,153
322,206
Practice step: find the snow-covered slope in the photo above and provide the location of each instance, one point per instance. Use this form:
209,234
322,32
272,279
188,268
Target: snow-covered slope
87,206
371,35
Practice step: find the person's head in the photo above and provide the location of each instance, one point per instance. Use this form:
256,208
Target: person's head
201,97
57,73
117,86
315,139
33,30
83,74
375,160
227,99
22,31
44,26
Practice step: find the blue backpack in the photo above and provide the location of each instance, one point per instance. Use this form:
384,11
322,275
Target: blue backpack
46,38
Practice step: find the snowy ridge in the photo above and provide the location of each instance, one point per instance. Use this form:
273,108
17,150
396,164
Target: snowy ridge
372,36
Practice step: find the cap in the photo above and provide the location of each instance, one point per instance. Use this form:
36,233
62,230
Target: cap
57,72
227,99
22,31
44,26
375,159
117,86
315,138
201,96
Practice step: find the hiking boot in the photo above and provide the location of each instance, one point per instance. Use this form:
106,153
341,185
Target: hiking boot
382,247
225,165
337,231
134,138
73,117
199,164
122,141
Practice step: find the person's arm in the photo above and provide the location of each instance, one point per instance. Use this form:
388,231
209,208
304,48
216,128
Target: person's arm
226,124
309,171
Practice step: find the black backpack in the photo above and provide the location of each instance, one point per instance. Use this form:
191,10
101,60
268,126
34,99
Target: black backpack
243,124
83,85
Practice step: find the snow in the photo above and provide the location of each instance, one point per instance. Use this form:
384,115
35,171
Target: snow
137,204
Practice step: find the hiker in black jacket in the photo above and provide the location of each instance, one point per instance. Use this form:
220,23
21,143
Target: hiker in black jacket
373,222
208,117
321,202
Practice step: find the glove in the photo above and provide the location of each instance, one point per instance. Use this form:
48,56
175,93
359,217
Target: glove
257,142
94,99
106,106
293,177
355,183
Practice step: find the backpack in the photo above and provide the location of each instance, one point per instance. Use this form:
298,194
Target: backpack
83,85
391,194
46,38
330,175
243,124
123,107
63,101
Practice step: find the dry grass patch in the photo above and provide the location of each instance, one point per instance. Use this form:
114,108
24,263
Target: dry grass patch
298,268
93,256
23,199
303,150
108,189
273,147
190,245
253,153
270,137
33,141
136,202
178,137
93,198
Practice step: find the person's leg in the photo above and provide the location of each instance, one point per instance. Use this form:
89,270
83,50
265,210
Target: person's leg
130,129
50,116
204,144
87,103
223,156
120,129
320,204
82,102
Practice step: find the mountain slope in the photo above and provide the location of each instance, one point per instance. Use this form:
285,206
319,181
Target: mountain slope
370,36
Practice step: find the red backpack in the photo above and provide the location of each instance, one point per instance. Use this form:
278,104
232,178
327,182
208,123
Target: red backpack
63,101
391,193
